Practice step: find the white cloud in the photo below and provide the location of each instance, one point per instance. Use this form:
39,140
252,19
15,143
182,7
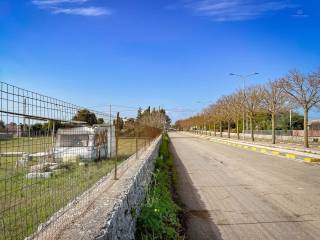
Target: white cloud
84,11
55,2
72,7
300,14
236,10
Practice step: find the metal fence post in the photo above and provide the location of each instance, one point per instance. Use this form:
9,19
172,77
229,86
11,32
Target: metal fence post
136,133
117,139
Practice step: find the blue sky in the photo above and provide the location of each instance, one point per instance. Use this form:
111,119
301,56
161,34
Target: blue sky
176,54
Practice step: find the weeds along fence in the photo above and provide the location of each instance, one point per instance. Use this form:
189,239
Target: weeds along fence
49,156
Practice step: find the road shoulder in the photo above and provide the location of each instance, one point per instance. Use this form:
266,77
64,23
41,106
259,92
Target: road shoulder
196,219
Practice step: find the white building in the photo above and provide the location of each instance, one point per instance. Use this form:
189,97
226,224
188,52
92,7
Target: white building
85,143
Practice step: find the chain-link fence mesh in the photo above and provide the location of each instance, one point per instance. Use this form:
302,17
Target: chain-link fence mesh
51,152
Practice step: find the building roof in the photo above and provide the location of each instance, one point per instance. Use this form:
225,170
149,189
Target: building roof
80,130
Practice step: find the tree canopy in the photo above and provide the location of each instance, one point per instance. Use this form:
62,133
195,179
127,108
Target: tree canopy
84,115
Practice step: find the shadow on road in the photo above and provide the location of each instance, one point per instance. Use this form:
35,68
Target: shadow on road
183,137
197,222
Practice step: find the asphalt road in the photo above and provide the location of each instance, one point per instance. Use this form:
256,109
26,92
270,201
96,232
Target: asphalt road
232,193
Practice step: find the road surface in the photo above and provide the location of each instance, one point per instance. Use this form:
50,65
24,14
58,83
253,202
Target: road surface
232,193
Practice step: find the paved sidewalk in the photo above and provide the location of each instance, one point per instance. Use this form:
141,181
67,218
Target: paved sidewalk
297,146
288,152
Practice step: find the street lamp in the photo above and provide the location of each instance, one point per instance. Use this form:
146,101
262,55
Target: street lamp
243,77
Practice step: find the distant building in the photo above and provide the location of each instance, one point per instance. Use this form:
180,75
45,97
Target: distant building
86,142
5,136
314,125
13,129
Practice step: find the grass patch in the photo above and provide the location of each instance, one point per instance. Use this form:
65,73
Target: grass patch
159,215
25,203
26,144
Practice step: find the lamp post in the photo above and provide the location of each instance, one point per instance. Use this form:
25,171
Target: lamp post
243,77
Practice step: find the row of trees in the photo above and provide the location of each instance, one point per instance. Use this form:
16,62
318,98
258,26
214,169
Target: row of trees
148,122
294,91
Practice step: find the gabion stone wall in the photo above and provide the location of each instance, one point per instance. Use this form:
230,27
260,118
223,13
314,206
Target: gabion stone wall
121,222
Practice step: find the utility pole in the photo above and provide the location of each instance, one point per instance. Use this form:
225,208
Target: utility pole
290,119
137,135
116,159
24,115
52,135
110,131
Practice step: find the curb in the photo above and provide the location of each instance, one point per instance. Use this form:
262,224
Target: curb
311,160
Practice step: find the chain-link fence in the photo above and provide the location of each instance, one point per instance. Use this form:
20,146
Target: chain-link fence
52,151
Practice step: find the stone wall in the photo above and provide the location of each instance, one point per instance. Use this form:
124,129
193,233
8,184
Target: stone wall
110,208
121,223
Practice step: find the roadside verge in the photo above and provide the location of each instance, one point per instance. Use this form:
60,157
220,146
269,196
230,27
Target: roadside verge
159,216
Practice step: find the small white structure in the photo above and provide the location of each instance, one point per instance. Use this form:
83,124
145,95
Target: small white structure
85,143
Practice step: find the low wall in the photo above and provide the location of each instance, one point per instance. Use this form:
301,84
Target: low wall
109,209
121,222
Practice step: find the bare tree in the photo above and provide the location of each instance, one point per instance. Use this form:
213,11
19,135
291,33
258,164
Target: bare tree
273,101
237,109
202,122
214,118
226,109
219,112
252,101
211,112
207,112
304,90
207,119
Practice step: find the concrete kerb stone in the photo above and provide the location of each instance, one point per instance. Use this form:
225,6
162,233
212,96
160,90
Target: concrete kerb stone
311,160
277,151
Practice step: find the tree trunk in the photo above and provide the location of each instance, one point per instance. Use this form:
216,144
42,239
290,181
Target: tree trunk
238,134
251,127
273,122
220,129
214,129
229,128
305,127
